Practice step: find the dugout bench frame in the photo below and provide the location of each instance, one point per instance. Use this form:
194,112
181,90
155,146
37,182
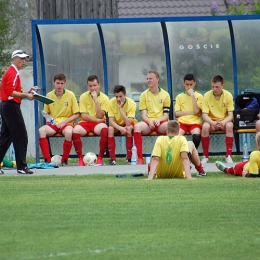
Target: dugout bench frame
91,135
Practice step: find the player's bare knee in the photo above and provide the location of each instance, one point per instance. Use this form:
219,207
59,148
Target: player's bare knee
111,131
205,127
138,127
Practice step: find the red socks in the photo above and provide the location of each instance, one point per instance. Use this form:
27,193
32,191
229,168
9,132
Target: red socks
44,144
229,145
112,147
129,145
230,170
66,150
77,144
139,144
199,168
103,142
205,141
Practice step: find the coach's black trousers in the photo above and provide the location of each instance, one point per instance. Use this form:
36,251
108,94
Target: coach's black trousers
13,130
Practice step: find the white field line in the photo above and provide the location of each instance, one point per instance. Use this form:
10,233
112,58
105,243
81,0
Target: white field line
103,250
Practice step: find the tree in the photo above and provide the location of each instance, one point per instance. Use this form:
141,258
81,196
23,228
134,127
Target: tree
7,19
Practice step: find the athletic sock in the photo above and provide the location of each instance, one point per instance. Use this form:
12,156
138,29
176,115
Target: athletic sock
199,168
112,147
44,144
77,144
229,170
139,144
103,142
205,141
229,145
129,145
66,150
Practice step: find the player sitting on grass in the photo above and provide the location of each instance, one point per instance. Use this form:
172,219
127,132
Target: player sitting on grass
245,169
172,154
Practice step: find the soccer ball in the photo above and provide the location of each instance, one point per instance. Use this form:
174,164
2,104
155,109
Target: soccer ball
56,159
90,159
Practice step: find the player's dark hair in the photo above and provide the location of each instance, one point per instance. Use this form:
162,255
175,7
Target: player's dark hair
173,127
59,76
119,88
189,77
217,78
91,78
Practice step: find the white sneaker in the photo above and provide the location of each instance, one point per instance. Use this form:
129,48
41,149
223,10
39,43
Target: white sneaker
204,159
229,159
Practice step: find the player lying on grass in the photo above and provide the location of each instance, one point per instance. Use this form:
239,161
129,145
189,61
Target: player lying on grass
172,154
245,169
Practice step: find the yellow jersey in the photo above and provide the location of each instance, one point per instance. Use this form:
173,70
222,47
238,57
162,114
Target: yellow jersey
129,109
184,103
87,104
254,163
156,105
169,149
62,108
217,109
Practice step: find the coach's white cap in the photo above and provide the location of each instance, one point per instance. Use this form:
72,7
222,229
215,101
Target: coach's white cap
19,53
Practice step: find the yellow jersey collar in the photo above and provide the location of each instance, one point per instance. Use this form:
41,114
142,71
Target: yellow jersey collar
159,89
220,93
62,91
97,94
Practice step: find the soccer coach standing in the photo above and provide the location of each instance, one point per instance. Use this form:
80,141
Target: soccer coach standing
13,127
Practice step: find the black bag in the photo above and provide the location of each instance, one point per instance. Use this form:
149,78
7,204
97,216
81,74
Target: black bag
245,118
245,99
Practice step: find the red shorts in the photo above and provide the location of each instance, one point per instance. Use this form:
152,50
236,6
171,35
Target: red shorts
238,168
188,128
118,133
156,127
88,126
58,130
132,124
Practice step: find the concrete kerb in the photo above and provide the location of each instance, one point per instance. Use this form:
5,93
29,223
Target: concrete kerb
107,169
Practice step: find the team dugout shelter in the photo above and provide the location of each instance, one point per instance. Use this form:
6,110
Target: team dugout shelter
122,51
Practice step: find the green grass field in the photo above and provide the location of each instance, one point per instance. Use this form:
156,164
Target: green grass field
104,217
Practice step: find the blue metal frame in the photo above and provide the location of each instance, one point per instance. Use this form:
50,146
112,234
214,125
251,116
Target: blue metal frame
234,56
148,19
168,61
36,33
99,22
35,80
104,56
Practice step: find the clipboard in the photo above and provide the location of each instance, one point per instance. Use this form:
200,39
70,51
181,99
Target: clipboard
42,98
